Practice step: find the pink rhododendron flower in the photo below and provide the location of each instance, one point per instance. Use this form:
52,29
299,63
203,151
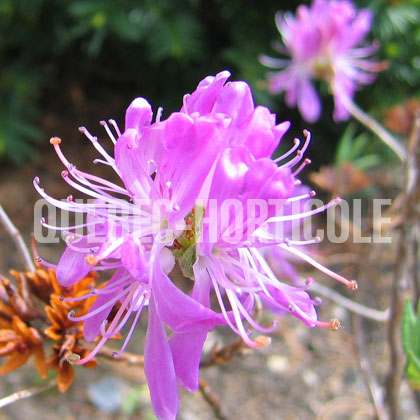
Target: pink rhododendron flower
179,177
323,43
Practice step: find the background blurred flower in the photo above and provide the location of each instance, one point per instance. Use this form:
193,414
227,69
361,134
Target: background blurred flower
322,42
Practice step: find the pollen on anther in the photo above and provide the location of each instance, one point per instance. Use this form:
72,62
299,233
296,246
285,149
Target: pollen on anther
55,140
317,300
335,324
353,285
263,340
91,259
73,357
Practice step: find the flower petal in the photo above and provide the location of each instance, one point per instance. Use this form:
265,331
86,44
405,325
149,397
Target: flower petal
133,259
191,148
186,352
159,368
16,360
72,266
65,376
308,101
138,115
132,168
204,97
178,310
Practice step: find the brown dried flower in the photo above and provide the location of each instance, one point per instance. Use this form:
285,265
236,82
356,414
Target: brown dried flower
20,342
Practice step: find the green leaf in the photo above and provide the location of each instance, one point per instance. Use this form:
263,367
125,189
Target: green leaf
344,148
413,369
187,261
408,326
416,334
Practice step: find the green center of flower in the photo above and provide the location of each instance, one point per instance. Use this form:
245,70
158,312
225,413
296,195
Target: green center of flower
323,69
184,247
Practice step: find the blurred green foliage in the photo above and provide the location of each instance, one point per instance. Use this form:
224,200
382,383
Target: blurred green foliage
410,329
397,27
357,149
160,49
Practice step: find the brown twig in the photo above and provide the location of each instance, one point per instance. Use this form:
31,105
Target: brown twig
26,393
402,273
365,367
108,353
225,355
212,400
18,240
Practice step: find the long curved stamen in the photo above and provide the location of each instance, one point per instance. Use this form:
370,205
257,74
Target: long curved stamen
112,301
108,131
291,217
130,333
251,321
103,162
220,301
159,114
261,278
254,267
107,267
72,206
299,153
101,189
111,288
82,250
77,298
292,150
310,194
101,195
47,264
73,357
98,147
300,168
56,141
68,205
115,125
92,259
315,240
114,327
67,228
242,332
95,292
351,284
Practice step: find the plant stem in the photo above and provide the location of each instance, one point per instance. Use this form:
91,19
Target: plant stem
107,352
377,129
403,271
212,400
365,366
26,393
18,240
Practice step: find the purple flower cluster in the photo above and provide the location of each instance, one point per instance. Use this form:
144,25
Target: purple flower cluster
217,149
322,42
